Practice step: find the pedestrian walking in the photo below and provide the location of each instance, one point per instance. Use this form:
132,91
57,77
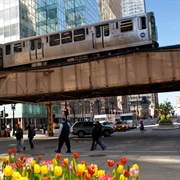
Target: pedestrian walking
31,134
95,136
19,138
63,135
100,140
44,128
141,126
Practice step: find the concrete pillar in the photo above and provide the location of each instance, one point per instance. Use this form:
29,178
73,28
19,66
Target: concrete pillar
50,119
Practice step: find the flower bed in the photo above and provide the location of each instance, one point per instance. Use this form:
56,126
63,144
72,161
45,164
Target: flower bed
22,168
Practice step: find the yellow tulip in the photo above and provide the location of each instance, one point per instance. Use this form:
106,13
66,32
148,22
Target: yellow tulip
8,171
23,178
44,169
81,168
122,177
95,170
2,158
120,169
54,161
16,176
58,170
135,166
37,168
101,173
66,160
33,162
7,159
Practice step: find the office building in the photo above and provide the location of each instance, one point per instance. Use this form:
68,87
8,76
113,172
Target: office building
132,7
109,9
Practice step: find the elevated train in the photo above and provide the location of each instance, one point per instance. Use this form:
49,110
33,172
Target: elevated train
120,34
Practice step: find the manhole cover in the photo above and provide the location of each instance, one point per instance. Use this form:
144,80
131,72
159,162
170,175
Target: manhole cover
97,155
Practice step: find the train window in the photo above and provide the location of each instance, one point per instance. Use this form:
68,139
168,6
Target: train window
106,30
18,47
36,43
66,37
142,22
126,26
117,25
98,31
1,53
54,40
79,35
39,43
32,44
87,31
8,49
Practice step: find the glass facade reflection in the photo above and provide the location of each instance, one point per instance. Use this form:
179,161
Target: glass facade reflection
54,15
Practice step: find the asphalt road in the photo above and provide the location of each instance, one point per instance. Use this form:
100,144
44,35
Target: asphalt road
157,152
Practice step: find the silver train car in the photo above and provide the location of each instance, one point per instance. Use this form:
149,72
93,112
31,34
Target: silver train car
137,31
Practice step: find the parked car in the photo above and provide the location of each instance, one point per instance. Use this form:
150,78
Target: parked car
85,128
121,126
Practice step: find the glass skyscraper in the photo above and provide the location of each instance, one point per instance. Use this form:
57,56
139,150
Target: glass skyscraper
54,15
25,18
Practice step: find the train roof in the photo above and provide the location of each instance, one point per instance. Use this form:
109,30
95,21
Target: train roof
79,27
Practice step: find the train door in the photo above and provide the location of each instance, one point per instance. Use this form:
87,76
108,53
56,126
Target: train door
1,58
153,28
101,33
36,49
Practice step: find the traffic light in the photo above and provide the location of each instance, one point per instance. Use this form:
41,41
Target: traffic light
66,111
2,113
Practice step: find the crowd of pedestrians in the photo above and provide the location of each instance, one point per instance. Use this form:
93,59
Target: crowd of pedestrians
63,137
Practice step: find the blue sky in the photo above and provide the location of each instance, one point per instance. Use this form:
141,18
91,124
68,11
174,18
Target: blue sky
167,13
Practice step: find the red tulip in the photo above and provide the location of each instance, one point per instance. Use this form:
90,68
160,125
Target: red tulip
40,157
110,163
123,160
19,164
14,150
126,173
91,169
10,151
76,155
58,156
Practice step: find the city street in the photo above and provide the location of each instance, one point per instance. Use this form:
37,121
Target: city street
157,152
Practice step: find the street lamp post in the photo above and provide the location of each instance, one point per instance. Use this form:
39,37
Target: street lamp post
134,108
13,107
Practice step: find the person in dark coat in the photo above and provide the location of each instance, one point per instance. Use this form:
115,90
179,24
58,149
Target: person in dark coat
31,134
141,126
101,142
95,137
19,137
63,137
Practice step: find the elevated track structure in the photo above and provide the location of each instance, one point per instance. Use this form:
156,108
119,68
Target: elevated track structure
138,72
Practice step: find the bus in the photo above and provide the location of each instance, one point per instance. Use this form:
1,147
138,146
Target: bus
130,118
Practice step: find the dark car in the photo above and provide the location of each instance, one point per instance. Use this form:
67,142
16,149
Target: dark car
85,128
121,126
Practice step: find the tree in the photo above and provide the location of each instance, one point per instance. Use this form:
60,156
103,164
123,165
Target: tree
164,110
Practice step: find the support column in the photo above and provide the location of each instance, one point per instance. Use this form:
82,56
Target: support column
50,120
